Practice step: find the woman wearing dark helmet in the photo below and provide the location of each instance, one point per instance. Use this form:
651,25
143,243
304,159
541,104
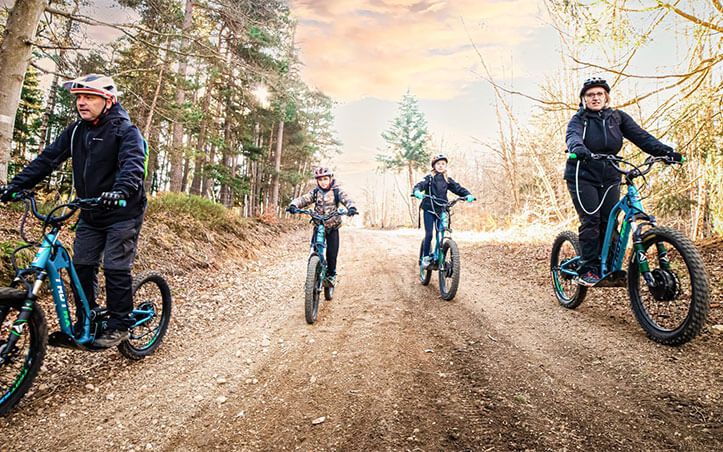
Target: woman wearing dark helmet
593,184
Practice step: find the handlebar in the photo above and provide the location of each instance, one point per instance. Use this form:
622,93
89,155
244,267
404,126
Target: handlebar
637,170
442,201
316,217
28,197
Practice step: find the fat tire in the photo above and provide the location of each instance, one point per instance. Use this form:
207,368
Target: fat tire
448,285
424,276
700,298
580,291
311,295
328,293
38,330
126,348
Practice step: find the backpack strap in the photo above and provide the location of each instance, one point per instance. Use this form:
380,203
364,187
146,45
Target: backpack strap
337,200
120,131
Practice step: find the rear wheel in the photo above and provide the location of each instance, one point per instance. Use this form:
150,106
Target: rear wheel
312,289
152,311
565,248
328,293
449,276
424,275
674,311
18,371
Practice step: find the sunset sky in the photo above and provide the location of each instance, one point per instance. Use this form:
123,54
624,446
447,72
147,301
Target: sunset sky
367,53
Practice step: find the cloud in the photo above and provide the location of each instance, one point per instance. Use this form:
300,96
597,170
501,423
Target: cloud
380,48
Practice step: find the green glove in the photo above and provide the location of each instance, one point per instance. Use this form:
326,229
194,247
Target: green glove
418,194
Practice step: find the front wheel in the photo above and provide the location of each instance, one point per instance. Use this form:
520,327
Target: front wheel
152,313
564,262
449,275
19,370
312,289
675,309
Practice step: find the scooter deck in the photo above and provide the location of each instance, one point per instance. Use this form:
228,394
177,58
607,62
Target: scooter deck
60,339
618,278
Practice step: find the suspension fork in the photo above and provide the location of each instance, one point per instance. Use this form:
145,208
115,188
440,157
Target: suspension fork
19,324
641,256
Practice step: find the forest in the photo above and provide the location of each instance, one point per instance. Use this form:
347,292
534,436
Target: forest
214,88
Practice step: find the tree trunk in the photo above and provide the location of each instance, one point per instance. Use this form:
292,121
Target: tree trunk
176,150
410,204
61,66
15,50
277,168
196,183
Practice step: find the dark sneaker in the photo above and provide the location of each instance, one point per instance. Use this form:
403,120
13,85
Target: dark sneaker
111,337
589,279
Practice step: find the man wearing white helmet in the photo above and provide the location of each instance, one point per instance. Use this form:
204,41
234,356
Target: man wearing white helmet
109,161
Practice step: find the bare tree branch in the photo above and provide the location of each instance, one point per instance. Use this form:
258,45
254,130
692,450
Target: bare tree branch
690,17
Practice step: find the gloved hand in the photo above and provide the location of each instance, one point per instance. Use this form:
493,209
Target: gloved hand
418,194
582,154
674,157
112,199
353,211
292,209
470,198
7,192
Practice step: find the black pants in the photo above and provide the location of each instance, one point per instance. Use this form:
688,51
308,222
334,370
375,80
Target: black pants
332,249
116,245
593,226
430,221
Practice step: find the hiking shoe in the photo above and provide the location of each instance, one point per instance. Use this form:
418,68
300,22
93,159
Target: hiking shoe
111,337
330,281
426,262
589,279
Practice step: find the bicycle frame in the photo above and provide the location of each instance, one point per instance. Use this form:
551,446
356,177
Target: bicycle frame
441,227
50,258
318,245
634,219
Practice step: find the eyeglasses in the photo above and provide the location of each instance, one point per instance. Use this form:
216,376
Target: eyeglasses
592,95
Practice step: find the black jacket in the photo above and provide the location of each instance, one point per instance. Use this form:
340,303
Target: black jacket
437,186
109,155
602,132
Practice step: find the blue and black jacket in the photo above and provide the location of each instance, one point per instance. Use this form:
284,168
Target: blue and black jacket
437,186
109,155
602,132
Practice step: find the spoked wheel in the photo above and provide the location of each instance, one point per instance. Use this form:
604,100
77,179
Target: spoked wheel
152,312
565,248
424,275
20,369
312,289
674,311
449,276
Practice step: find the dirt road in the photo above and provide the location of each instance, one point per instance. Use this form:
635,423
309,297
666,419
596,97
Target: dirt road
388,366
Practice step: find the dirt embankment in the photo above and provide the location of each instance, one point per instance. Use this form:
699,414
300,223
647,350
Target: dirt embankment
388,365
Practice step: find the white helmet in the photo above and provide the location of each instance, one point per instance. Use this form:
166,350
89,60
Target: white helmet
96,84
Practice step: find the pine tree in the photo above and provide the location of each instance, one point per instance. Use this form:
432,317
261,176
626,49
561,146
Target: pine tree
407,139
